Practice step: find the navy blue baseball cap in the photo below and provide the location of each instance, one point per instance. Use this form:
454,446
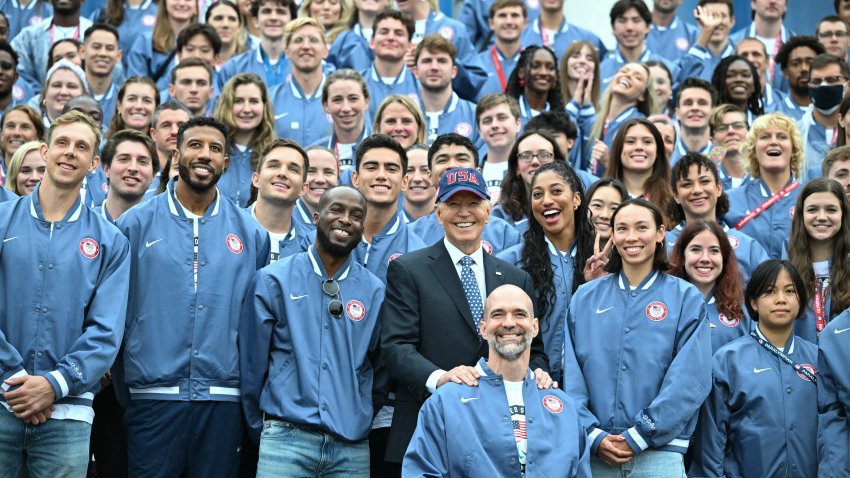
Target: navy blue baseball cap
462,179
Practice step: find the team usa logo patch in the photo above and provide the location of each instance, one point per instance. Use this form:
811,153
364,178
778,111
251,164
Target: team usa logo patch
105,188
447,32
148,20
791,211
808,367
35,19
393,257
234,243
463,129
553,404
17,92
734,242
355,310
682,43
487,247
728,322
656,311
89,248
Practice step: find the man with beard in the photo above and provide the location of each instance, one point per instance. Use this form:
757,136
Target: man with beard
193,256
454,422
308,343
795,58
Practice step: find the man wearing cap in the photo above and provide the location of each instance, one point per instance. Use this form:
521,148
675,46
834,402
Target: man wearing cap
434,304
310,404
454,422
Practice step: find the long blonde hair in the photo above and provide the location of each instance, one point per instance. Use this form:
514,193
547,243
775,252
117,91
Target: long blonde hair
264,134
647,106
14,166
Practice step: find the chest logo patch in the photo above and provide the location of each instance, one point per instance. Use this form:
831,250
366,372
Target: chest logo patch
656,311
488,248
393,257
234,243
728,322
148,20
734,242
553,404
808,367
463,129
682,43
355,310
89,248
447,32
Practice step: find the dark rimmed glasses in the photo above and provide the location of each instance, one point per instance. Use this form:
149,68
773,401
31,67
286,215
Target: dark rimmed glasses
331,288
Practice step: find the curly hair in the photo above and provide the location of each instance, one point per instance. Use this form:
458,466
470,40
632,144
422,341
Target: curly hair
513,88
755,103
680,173
750,162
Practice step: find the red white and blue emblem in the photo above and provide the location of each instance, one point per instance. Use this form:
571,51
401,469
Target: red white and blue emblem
808,367
447,32
17,92
727,321
234,243
553,404
463,129
89,248
682,43
791,211
656,311
488,248
393,257
734,242
149,20
355,310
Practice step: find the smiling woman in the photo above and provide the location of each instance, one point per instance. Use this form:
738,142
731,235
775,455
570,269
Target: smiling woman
735,80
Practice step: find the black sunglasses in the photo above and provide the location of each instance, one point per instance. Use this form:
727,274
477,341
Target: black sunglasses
331,288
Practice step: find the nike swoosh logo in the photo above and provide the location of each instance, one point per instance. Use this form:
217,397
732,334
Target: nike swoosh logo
280,116
148,244
296,297
760,370
467,400
837,331
10,239
602,311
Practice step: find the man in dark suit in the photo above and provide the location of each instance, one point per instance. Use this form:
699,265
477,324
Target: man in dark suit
431,313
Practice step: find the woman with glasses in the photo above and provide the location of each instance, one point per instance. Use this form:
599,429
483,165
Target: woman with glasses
728,127
530,151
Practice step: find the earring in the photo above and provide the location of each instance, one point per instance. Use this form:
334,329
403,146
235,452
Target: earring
521,83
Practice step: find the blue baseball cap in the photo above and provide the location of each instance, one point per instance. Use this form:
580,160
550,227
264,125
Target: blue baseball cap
462,179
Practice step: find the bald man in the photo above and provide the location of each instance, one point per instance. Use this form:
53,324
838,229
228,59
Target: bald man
455,420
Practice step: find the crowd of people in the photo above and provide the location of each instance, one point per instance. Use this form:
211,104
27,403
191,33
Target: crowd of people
363,238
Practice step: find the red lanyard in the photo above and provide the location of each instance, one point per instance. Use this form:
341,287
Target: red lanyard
76,33
498,64
772,66
544,37
766,205
819,303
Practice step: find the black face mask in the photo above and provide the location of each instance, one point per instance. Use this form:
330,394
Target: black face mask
827,98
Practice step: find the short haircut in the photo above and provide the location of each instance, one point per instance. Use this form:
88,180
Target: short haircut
764,278
718,113
169,106
189,63
32,115
841,153
697,83
493,100
299,23
832,19
405,20
72,117
795,42
553,122
108,151
622,6
284,143
825,59
104,27
753,40
435,43
762,123
451,139
376,141
196,29
200,121
728,3
342,75
500,4
7,47
290,4
680,172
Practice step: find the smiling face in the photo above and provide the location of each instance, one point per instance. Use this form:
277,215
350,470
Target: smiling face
538,152
327,12
463,217
306,48
732,131
703,260
100,52
697,193
322,175
70,155
281,179
371,6
773,150
181,10
553,203
630,29
822,216
509,324
137,107
630,82
8,73
339,221
498,126
399,123
840,171
601,207
390,41
346,104
63,85
247,107
271,19
639,150
17,130
542,72
380,177
201,158
694,108
31,172
580,63
636,235
450,156
668,134
778,307
131,172
435,70
420,191
661,84
739,82
508,23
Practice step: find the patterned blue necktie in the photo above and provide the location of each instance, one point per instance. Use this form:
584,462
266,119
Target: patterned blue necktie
473,293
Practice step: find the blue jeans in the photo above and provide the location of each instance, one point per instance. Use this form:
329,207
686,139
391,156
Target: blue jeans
288,450
648,464
56,448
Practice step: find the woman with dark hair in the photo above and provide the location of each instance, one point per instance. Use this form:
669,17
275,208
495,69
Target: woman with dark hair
137,100
226,19
638,352
704,257
132,18
843,122
662,84
818,247
603,198
761,417
534,83
65,49
698,196
638,160
579,75
556,245
736,81
530,151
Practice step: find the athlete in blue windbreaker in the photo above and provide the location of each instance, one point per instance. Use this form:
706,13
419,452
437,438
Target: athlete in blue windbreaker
639,352
194,254
129,162
834,398
132,18
308,347
669,35
451,151
275,185
760,419
728,126
773,156
507,20
552,30
21,16
476,15
350,48
504,426
715,19
64,277
389,74
322,174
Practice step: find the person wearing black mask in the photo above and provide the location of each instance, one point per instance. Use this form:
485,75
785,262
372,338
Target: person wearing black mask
829,81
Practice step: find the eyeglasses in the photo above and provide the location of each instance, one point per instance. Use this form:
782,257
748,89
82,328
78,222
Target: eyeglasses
723,127
542,156
331,288
836,34
829,80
